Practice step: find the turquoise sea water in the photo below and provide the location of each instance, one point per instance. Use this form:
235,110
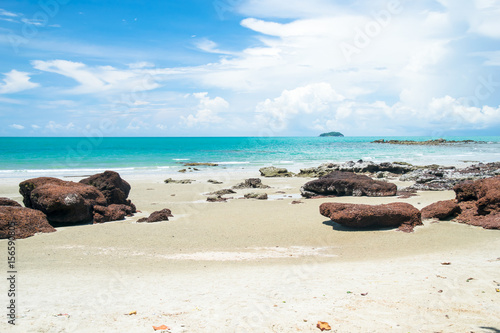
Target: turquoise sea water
20,156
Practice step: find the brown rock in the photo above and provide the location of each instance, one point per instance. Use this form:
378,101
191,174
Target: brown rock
441,210
340,183
480,202
397,214
114,188
161,215
25,221
64,202
9,202
111,213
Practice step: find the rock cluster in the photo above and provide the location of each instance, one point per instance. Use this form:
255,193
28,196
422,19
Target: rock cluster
340,183
359,166
98,198
439,178
401,215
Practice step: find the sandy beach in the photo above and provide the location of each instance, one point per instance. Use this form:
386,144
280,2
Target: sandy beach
253,266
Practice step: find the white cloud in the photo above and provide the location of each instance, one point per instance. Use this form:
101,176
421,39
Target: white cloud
3,12
56,127
313,98
15,81
16,126
210,46
208,110
318,107
35,127
100,79
137,124
141,64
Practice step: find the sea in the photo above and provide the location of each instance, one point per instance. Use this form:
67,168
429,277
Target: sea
36,156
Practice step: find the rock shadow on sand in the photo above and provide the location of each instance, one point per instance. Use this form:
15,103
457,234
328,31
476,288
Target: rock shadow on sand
338,227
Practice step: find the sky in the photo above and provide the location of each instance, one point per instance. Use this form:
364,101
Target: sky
249,67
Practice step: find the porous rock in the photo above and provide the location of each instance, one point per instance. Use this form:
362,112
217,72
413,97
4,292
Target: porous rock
397,214
19,222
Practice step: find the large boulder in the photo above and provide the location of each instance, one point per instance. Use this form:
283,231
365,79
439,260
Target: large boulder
340,183
480,202
9,202
398,214
114,188
160,215
441,210
19,222
275,172
64,202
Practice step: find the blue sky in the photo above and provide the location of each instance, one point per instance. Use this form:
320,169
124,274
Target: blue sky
249,67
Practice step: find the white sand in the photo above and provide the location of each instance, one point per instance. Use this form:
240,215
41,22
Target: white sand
253,266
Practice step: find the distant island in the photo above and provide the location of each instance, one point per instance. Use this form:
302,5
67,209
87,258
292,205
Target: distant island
332,134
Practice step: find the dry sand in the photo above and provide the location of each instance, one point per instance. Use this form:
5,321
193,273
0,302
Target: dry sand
253,266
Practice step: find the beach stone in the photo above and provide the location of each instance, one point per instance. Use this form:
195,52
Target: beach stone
160,215
397,214
112,186
9,202
275,172
340,183
216,198
214,181
64,202
441,210
112,212
181,181
258,196
320,171
222,192
26,221
480,202
251,183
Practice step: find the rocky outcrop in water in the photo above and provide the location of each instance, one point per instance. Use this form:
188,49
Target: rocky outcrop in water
436,142
19,222
394,215
340,183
